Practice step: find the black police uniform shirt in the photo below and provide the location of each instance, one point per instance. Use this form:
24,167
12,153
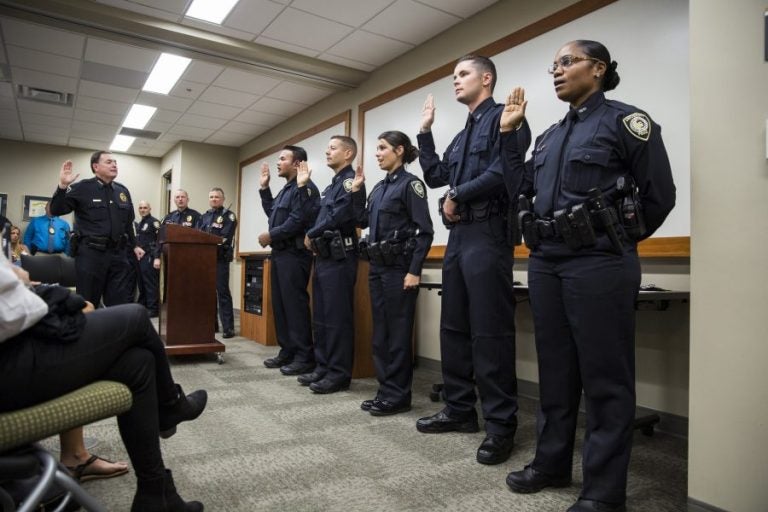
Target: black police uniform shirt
101,209
398,203
470,163
146,235
292,211
220,222
186,217
337,206
592,147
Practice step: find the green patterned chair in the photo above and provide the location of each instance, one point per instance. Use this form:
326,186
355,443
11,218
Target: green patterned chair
21,459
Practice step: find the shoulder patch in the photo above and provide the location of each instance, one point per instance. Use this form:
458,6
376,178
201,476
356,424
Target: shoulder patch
348,185
418,188
638,125
157,224
232,216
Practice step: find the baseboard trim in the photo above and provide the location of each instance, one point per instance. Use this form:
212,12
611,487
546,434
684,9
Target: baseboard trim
695,505
670,423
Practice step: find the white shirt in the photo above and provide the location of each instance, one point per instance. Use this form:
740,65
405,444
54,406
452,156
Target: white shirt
20,307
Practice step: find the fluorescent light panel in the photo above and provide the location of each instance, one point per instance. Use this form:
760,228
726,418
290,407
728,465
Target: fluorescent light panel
210,10
121,143
167,71
139,116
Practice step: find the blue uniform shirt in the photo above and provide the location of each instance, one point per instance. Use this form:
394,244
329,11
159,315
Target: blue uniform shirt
398,203
48,234
292,212
187,217
146,235
336,206
220,222
591,148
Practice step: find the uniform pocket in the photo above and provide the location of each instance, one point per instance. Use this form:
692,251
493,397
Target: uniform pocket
98,211
586,169
538,164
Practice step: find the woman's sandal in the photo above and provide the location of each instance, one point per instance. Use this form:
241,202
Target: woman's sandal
79,472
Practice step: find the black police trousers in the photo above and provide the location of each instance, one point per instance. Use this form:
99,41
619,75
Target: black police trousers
118,343
224,306
584,317
477,325
333,313
106,275
289,276
393,313
149,281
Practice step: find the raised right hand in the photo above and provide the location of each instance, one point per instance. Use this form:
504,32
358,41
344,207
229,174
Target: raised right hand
264,179
303,174
514,110
357,183
66,177
427,114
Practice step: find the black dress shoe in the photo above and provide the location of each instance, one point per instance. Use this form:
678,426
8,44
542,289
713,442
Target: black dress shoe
297,368
495,449
278,361
596,506
441,422
326,386
387,408
308,378
367,404
529,480
228,334
181,408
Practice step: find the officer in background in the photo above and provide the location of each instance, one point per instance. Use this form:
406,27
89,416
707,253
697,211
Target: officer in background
290,214
221,222
333,240
183,216
398,241
103,230
47,233
477,326
149,266
584,271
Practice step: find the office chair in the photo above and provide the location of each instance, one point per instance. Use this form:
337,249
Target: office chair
50,268
21,458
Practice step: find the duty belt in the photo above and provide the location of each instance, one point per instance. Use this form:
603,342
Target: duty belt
289,243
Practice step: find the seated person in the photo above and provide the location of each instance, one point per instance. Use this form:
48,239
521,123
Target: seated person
49,348
17,247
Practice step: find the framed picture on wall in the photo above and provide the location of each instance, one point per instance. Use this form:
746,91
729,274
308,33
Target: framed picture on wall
3,204
34,206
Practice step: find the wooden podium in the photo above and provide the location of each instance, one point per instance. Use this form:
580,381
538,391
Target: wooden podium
188,312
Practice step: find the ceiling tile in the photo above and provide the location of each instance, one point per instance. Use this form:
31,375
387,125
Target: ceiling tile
7,103
43,80
107,92
250,116
253,16
158,126
45,129
106,74
462,8
142,9
166,116
298,93
95,131
218,29
370,48
213,110
32,118
202,72
346,62
191,132
163,101
200,121
45,109
11,133
41,138
280,45
185,89
91,144
246,82
6,90
41,38
174,6
279,107
9,117
228,97
43,61
99,105
98,117
350,12
304,29
129,57
243,128
410,22
229,139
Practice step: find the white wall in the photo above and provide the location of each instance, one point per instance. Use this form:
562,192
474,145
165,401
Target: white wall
728,436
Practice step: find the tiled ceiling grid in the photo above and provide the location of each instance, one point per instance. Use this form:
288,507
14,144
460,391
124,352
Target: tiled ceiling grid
212,103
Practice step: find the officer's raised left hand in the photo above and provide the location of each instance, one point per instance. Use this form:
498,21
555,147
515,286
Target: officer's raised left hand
303,174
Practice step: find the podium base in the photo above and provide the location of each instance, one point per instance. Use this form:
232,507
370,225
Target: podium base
180,349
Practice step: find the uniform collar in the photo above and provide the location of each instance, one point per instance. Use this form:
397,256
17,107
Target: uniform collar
339,175
482,108
217,210
590,105
391,178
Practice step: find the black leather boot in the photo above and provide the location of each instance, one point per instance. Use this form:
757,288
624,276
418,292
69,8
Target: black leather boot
159,495
182,408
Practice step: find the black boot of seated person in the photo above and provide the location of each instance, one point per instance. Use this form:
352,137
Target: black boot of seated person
182,408
159,495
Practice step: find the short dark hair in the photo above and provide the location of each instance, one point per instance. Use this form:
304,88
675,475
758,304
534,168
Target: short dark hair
349,142
484,64
96,156
298,152
396,138
598,51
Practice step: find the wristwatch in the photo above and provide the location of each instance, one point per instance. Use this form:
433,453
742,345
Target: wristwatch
451,194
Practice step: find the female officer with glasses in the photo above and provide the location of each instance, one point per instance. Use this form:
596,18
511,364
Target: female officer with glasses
584,272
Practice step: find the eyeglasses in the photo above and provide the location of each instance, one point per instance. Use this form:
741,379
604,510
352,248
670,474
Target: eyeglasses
567,61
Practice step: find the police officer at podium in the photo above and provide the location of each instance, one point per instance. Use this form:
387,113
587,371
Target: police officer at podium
221,221
183,216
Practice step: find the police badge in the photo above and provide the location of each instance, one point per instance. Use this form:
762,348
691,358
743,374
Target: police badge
219,219
638,125
189,218
123,197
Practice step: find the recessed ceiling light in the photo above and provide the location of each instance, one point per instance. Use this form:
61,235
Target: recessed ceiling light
139,116
210,10
167,71
121,143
